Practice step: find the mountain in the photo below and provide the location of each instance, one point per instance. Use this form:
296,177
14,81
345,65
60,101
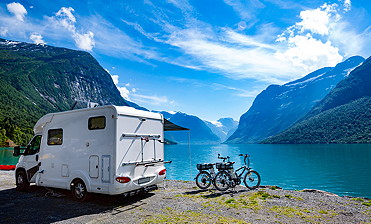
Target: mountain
280,106
200,133
39,79
223,128
343,116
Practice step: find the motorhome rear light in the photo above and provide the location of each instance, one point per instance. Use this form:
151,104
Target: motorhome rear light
162,172
123,180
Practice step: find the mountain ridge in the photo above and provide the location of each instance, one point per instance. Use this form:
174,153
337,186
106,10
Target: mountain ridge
37,79
280,106
343,116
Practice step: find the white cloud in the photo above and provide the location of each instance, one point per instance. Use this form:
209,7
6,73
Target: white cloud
124,92
316,21
310,53
247,10
3,31
115,78
310,43
17,10
237,62
66,19
37,38
350,41
234,37
242,92
152,100
182,4
84,41
132,95
347,5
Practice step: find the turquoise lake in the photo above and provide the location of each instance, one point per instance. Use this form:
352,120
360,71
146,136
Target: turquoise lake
340,169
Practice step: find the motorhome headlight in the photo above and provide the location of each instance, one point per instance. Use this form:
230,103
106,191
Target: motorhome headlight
123,180
162,172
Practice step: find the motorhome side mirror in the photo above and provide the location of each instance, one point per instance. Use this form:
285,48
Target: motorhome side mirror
17,151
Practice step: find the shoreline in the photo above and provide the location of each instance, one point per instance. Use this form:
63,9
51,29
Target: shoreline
181,202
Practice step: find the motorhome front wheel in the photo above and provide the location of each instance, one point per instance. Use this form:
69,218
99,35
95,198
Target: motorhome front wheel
21,181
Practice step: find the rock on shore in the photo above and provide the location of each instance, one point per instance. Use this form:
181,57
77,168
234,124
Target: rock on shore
180,202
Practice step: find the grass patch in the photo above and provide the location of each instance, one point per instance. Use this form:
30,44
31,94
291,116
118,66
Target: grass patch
171,216
358,199
305,214
367,203
250,201
229,201
293,197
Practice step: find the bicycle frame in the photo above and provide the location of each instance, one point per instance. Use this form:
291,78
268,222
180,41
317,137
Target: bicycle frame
245,167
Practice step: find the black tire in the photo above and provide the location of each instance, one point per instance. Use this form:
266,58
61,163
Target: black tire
221,181
252,180
203,180
22,181
79,191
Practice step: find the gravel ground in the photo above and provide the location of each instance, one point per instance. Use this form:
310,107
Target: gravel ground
180,202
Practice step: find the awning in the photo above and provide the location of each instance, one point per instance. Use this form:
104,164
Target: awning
169,126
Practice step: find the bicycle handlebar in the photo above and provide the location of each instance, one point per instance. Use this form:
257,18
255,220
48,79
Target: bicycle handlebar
224,158
219,157
245,155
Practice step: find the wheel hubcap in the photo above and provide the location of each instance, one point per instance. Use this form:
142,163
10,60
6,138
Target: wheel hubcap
20,179
79,190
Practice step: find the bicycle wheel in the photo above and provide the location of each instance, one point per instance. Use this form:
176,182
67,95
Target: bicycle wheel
221,180
252,179
203,180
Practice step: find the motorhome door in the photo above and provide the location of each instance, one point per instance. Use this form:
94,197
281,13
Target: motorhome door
106,168
31,157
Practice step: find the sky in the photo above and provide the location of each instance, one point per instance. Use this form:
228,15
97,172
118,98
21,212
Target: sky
208,58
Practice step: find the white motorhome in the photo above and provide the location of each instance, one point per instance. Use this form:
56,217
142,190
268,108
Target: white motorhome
109,149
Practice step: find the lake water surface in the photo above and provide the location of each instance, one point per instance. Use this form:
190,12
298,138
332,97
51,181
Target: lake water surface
340,169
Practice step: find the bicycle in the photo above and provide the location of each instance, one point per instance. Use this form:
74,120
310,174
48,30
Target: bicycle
205,178
206,175
228,177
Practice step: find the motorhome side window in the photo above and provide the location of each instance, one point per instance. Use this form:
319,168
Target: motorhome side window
97,123
55,137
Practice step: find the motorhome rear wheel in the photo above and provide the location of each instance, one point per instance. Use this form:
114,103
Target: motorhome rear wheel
79,191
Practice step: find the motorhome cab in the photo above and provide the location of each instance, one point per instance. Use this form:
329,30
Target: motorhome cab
110,150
